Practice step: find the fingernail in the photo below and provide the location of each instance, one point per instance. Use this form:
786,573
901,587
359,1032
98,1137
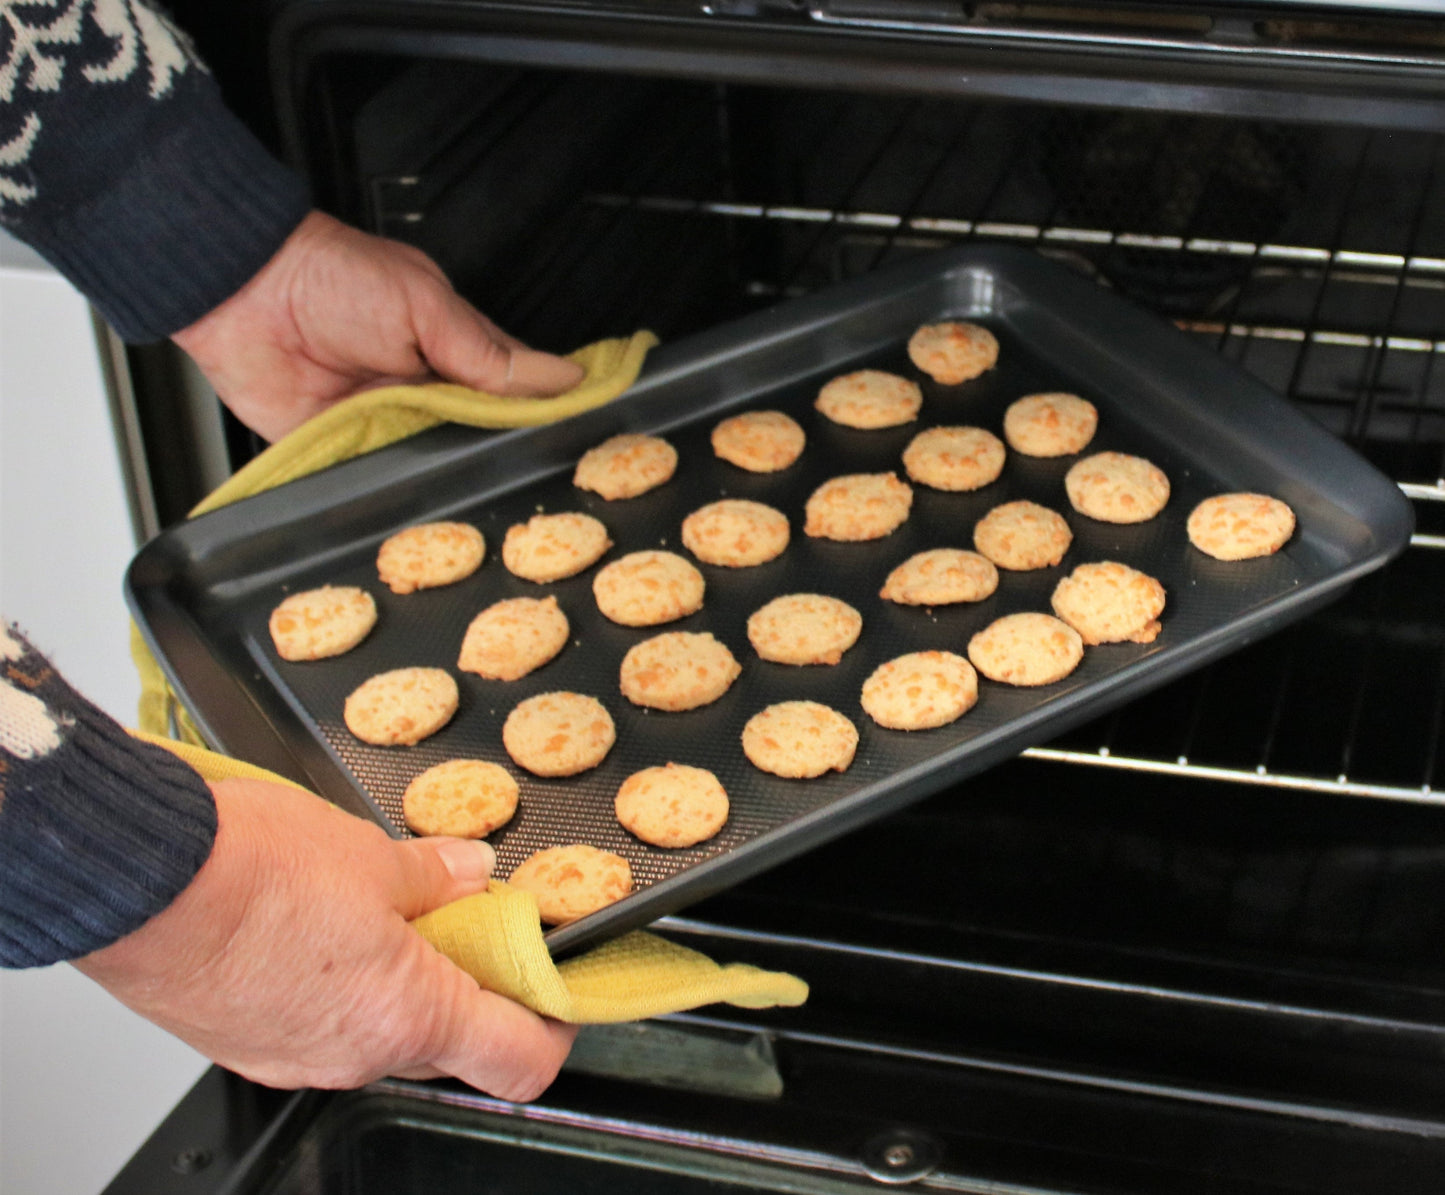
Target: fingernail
467,860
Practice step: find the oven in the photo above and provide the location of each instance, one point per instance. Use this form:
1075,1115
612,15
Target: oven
1197,945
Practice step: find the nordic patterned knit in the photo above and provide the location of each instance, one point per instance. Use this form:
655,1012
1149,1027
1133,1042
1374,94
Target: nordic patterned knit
121,165
98,831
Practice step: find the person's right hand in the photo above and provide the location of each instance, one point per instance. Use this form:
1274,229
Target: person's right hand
336,311
289,958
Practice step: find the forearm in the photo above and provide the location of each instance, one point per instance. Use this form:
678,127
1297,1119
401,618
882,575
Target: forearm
99,832
121,165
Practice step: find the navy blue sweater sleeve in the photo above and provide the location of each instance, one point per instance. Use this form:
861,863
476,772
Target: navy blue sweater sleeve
99,831
121,165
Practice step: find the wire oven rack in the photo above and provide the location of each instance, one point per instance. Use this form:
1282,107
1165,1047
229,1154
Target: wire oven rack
1314,257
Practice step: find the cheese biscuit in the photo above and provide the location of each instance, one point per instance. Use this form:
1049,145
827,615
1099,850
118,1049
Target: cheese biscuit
920,690
940,577
678,670
858,506
1050,424
1109,602
1240,526
511,638
759,441
429,555
672,806
1023,535
558,734
319,623
625,466
735,533
799,740
462,798
1114,487
645,588
401,707
954,458
571,881
870,399
804,628
1026,649
952,352
552,547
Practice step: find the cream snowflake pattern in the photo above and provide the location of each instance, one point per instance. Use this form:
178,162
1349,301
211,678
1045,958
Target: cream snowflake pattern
46,47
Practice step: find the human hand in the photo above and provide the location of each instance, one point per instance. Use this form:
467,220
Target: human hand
289,958
335,311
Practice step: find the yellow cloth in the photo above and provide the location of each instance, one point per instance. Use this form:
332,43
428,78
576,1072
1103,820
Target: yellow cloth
376,418
495,936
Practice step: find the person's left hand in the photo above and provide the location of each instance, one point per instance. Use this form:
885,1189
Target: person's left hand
335,311
289,958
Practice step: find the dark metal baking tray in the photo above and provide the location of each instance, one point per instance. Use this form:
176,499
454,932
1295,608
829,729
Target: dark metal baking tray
202,591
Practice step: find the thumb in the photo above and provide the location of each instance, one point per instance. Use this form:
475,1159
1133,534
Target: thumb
463,346
432,872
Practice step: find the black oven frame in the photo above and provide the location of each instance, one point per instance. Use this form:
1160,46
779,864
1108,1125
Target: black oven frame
1266,1079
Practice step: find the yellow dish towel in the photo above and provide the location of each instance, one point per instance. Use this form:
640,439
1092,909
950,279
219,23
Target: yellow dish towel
495,936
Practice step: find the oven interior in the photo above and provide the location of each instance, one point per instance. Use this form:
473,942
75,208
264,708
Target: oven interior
1196,945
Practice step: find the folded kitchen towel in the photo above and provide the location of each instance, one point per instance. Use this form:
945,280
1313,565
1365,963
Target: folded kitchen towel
496,937
371,420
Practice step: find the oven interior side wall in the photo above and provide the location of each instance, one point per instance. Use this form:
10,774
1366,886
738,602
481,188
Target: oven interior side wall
1274,814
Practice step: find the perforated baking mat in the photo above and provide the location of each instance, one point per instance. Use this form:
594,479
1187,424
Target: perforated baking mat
202,592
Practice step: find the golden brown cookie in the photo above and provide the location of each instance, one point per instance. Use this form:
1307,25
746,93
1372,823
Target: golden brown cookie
429,555
735,533
463,798
1026,649
940,577
571,881
1050,424
625,466
672,806
678,670
1114,487
559,734
551,547
1109,602
858,506
954,458
511,638
1240,526
953,351
920,690
643,589
799,740
319,623
1023,535
401,707
804,628
759,441
870,399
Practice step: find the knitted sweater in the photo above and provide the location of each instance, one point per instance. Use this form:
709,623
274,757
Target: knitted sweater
98,831
120,164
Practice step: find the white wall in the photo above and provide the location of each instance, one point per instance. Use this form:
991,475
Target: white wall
83,1081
